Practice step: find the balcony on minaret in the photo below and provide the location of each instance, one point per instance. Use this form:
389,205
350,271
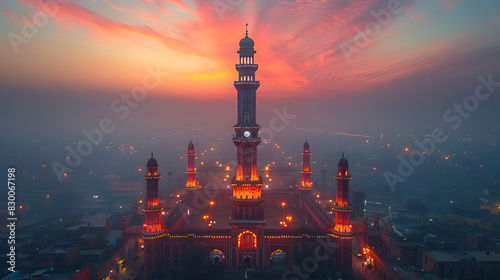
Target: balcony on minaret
306,185
343,228
342,207
153,176
252,67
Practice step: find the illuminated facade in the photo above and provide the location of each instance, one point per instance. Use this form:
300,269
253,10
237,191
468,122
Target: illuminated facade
306,184
343,227
191,183
295,225
152,209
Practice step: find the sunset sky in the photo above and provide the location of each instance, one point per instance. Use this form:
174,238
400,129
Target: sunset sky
343,68
107,44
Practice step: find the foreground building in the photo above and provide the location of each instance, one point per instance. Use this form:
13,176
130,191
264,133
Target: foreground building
244,225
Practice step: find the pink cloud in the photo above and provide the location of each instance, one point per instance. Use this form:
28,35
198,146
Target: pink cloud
448,4
297,42
116,7
160,4
9,14
417,16
494,22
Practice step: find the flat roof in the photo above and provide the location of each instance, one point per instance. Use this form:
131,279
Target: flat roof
59,248
273,216
459,256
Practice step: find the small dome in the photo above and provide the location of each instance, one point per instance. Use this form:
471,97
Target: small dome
190,147
247,42
306,146
152,161
343,161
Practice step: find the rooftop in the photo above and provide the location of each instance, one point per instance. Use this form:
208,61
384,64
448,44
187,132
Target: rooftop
218,215
59,248
459,256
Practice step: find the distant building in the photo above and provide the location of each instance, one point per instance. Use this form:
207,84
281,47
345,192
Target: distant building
481,223
61,256
478,264
358,198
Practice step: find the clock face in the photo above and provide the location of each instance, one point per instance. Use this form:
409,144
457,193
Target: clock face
246,134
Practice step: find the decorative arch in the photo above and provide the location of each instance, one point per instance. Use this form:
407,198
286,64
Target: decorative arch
247,240
215,255
278,256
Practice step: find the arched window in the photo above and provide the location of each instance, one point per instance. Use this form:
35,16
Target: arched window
246,118
247,240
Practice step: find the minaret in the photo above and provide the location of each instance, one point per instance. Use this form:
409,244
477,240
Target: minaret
306,184
152,208
343,228
247,217
191,183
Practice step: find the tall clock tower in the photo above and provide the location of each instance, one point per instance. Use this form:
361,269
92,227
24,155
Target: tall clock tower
247,218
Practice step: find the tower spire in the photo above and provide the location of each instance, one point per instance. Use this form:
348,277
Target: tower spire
191,183
151,154
246,29
343,227
306,184
152,227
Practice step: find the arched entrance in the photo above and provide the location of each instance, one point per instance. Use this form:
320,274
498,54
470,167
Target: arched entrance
247,261
278,257
216,256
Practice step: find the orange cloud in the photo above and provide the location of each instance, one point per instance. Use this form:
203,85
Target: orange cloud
297,43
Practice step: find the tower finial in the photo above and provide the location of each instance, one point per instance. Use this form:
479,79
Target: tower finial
246,29
151,154
342,154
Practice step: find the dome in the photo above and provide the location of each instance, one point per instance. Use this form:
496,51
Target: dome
247,42
152,161
306,146
343,161
190,146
